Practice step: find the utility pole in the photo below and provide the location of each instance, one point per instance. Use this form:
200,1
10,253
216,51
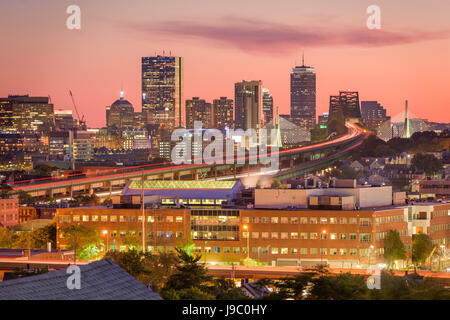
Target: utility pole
143,212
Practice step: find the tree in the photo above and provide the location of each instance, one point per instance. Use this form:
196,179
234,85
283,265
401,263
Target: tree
421,248
43,169
84,239
340,287
153,270
188,273
132,241
6,238
25,198
394,249
427,163
132,261
289,288
5,191
276,184
44,235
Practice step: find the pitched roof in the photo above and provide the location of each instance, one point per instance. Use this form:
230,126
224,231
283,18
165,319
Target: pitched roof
100,280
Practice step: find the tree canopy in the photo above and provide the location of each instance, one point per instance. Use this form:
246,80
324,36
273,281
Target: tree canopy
394,249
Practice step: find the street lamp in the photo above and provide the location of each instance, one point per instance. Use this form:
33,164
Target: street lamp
370,250
323,235
442,253
245,227
105,233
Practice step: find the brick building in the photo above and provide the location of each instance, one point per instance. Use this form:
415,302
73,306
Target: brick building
9,212
341,238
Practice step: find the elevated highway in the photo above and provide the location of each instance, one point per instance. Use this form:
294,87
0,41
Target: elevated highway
107,182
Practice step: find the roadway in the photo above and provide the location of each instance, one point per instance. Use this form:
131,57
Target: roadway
349,141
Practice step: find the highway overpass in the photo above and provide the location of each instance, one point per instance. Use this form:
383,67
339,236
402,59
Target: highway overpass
107,182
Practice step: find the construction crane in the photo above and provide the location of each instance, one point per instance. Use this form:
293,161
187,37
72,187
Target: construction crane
81,120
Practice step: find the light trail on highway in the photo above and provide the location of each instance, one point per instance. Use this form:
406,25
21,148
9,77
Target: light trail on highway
354,131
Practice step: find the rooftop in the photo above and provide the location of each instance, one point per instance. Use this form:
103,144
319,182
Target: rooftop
184,189
100,280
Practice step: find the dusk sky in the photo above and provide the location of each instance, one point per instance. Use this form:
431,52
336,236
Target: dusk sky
223,42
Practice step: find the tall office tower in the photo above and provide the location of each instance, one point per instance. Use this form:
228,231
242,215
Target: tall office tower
198,110
162,91
223,113
374,114
23,113
346,104
120,114
267,106
248,112
303,96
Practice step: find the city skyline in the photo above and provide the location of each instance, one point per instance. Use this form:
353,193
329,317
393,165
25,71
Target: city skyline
377,65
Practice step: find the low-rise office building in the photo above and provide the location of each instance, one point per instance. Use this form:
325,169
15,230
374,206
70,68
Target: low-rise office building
340,238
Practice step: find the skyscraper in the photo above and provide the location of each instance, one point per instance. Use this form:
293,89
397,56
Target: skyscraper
162,91
223,113
248,105
198,110
120,114
303,96
267,106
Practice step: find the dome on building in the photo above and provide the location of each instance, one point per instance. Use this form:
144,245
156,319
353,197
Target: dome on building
121,102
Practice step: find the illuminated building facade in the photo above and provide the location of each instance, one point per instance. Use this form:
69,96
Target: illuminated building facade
223,113
267,106
162,90
198,110
24,113
303,96
248,111
120,114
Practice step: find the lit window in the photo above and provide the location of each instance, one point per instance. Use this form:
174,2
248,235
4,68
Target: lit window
313,220
294,220
169,219
113,218
179,219
284,235
255,235
274,250
294,235
323,220
333,236
284,250
284,220
264,235
94,218
274,220
274,235
313,235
